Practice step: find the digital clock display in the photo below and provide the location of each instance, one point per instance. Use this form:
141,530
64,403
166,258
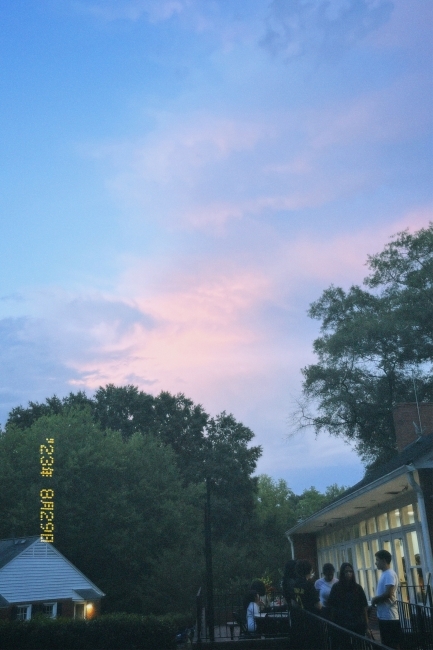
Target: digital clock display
46,457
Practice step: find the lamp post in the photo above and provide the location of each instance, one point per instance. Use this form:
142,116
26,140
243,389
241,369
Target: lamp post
210,619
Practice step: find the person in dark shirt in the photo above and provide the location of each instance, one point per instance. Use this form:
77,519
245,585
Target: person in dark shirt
306,599
304,591
289,581
348,602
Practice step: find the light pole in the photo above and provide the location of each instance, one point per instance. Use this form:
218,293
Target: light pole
208,555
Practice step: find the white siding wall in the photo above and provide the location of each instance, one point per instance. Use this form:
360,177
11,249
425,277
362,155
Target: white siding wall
40,573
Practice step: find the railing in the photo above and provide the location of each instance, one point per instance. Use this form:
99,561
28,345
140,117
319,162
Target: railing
416,622
309,631
302,629
419,594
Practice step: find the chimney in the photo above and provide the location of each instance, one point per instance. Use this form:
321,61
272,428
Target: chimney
406,422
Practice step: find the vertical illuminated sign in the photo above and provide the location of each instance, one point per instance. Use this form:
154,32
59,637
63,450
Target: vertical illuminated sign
46,458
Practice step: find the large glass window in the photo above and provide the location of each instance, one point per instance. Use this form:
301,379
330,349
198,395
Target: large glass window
399,560
371,525
359,543
359,558
408,515
394,518
382,522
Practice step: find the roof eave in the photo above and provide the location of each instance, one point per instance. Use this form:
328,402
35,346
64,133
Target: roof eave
383,480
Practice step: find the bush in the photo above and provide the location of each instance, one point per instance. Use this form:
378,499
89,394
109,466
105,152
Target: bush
109,632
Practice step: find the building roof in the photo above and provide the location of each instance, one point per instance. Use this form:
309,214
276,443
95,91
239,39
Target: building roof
409,455
10,548
23,575
3,602
369,492
88,594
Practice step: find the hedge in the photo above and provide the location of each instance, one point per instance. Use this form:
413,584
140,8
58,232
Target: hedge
107,632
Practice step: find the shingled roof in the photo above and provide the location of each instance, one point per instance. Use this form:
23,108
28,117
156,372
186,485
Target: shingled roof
10,548
411,453
370,489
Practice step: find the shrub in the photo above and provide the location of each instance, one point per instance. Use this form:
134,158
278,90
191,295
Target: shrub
109,632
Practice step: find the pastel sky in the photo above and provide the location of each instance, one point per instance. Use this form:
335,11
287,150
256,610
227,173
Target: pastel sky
180,179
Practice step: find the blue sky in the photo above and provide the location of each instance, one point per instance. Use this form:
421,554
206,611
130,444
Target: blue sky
181,178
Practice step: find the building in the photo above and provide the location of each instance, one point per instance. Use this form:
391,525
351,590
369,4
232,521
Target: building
391,508
36,578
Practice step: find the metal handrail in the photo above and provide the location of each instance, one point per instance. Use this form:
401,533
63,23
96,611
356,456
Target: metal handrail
327,635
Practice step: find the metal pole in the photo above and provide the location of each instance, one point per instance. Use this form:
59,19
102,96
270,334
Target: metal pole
199,608
209,575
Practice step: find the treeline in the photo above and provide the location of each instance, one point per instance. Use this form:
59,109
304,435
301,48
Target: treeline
129,484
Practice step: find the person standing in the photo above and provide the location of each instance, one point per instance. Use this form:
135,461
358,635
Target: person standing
325,584
348,602
303,589
385,601
306,599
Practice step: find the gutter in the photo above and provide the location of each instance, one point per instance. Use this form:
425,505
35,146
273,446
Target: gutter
410,469
292,547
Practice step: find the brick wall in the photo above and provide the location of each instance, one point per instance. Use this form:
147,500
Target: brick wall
405,415
305,548
67,609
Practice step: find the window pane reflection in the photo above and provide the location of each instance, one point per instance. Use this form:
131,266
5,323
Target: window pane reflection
394,518
382,522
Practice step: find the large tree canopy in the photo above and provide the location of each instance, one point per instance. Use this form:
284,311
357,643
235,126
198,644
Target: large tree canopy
121,512
130,491
376,343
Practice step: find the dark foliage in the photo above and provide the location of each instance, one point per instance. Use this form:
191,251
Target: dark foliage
373,346
114,632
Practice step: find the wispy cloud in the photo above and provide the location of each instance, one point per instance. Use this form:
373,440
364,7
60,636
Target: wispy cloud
228,330
202,170
320,27
154,10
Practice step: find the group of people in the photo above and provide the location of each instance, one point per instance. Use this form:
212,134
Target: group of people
343,600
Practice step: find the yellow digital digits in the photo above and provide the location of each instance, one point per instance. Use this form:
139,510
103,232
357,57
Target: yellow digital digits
47,495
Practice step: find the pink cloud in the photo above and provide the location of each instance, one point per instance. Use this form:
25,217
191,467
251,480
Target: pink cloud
212,319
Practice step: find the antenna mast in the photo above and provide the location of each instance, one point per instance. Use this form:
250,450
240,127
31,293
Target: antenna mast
417,405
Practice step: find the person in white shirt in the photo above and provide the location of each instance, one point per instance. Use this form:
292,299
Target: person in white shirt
385,601
253,610
324,585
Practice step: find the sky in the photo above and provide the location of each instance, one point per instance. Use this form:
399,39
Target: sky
180,179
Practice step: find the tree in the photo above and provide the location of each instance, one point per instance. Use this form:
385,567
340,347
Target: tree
373,345
229,465
276,505
121,511
278,509
218,449
311,500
